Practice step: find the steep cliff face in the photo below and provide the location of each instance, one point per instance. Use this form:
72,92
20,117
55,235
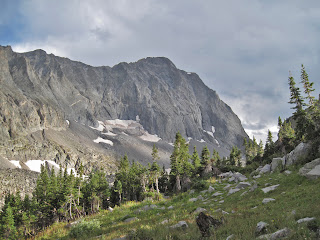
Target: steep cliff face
40,91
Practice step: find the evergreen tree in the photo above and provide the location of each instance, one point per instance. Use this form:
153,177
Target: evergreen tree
205,157
8,228
195,160
155,153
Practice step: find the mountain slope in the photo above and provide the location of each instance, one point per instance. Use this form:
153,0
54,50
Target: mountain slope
43,93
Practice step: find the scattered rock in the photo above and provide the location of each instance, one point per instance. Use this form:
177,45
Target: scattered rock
227,187
171,207
131,219
230,237
276,235
211,189
181,224
165,221
269,189
217,194
222,201
266,200
233,190
282,233
191,191
193,199
258,176
204,191
199,210
224,212
254,187
265,169
244,193
307,219
311,170
243,185
261,227
110,209
204,223
287,172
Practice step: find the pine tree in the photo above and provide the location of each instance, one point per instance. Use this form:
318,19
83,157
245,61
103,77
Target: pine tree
205,157
299,115
155,153
195,160
8,229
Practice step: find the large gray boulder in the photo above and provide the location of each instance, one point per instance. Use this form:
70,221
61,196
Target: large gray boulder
311,170
266,169
277,163
300,152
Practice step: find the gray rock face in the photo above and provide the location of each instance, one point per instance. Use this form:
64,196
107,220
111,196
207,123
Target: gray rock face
311,170
265,169
301,151
277,163
51,89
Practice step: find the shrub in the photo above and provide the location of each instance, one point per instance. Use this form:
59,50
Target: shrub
84,228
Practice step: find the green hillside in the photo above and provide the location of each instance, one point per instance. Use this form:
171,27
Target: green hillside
295,198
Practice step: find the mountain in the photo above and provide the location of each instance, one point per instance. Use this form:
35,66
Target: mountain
53,108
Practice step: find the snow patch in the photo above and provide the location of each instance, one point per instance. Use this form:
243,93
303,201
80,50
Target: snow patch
100,127
35,165
150,138
109,133
68,122
99,140
189,73
217,142
16,163
202,140
171,144
213,129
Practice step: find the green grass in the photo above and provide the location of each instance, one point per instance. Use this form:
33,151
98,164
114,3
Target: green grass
295,193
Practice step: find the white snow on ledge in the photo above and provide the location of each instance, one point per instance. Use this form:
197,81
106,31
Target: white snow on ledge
150,138
99,140
16,163
100,127
35,165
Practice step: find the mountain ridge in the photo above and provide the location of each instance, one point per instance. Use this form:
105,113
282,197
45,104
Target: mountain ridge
46,90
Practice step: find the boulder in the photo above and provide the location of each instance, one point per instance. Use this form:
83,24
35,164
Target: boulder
277,163
243,185
233,190
261,227
211,189
205,222
199,210
307,219
266,169
131,219
300,152
165,221
181,224
230,237
267,200
311,170
216,194
271,188
257,176
282,233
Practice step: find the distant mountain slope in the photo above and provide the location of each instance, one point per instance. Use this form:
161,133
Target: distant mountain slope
49,103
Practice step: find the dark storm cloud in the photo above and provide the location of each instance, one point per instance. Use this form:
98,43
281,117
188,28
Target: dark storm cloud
242,49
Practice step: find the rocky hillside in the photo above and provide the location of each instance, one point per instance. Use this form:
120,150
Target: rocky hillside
56,109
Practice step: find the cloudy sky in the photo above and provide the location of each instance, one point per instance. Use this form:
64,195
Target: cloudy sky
243,49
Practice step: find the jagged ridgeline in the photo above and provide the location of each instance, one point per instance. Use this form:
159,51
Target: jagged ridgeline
52,108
